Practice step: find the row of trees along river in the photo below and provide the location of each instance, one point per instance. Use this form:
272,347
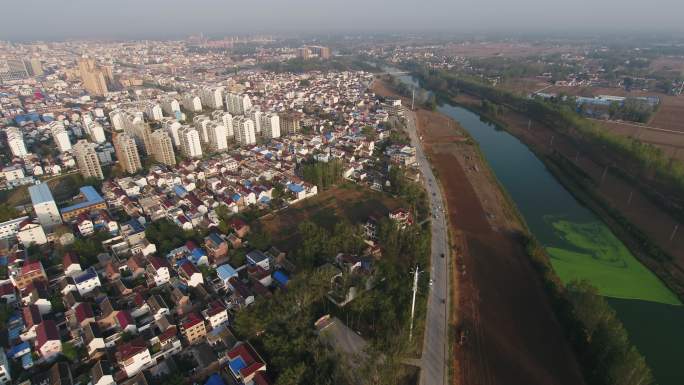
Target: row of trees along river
596,285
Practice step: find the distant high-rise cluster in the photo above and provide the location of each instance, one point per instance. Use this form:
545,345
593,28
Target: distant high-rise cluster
94,77
312,51
12,69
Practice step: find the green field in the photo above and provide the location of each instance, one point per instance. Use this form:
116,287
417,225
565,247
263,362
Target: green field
594,254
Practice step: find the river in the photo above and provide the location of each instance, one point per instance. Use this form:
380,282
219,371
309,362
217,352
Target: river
582,247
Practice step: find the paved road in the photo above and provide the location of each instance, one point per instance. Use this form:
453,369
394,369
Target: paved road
435,352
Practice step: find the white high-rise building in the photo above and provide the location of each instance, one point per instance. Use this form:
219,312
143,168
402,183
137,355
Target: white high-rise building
15,140
93,129
153,111
87,159
44,205
172,126
244,131
226,119
270,125
255,114
192,103
212,97
217,136
60,136
116,117
162,147
170,106
127,153
191,146
237,104
201,122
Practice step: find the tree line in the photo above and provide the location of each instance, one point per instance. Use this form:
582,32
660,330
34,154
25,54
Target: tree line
652,163
322,174
599,339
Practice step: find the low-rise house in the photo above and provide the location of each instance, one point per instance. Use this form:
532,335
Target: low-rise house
48,343
87,281
216,246
190,274
133,357
258,258
193,328
225,273
244,363
240,227
102,373
93,340
159,269
37,293
30,233
29,272
216,314
70,264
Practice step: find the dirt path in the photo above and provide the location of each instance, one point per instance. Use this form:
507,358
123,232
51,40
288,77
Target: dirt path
512,334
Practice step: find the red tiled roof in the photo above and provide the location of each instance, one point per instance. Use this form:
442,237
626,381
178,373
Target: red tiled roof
188,269
31,315
130,349
83,311
124,319
192,320
69,259
31,267
158,263
248,356
46,331
167,334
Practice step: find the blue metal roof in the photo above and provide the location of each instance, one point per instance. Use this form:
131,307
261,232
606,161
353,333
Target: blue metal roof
136,226
26,361
295,188
224,272
91,197
180,190
19,349
281,277
215,238
214,379
236,365
90,273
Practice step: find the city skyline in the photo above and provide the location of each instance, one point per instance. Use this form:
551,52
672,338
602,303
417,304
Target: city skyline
174,19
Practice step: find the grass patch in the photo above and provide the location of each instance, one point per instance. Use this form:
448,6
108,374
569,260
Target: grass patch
593,253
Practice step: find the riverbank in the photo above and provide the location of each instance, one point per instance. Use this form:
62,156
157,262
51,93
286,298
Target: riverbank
511,333
583,179
653,327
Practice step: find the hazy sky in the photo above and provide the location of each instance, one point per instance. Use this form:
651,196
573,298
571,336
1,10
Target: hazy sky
57,19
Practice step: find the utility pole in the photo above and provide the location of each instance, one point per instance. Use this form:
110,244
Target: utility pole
629,200
413,96
603,177
674,231
551,144
413,302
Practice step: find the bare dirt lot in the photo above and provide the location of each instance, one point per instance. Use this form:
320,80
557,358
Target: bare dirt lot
348,202
670,115
512,336
671,143
485,49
